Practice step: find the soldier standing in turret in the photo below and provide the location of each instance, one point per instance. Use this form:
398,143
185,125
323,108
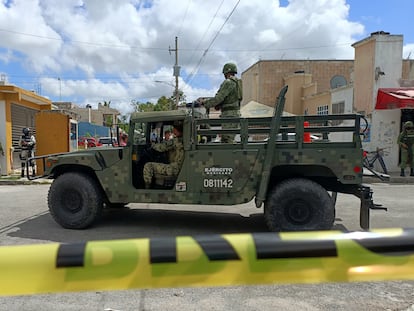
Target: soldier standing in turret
227,99
27,144
406,143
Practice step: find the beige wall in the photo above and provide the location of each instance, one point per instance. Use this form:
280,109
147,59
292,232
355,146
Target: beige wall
364,76
94,116
313,102
263,80
295,94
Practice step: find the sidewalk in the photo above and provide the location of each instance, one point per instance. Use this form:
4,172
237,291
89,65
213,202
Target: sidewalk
15,179
395,178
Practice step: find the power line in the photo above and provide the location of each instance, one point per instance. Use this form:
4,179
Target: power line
214,39
184,18
202,38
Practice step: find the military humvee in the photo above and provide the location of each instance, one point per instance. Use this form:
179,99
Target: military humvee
273,160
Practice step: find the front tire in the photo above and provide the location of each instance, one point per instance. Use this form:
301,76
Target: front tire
299,204
75,200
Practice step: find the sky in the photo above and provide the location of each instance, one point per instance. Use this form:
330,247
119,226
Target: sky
123,51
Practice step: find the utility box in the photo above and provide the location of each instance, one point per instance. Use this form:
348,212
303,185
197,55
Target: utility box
55,133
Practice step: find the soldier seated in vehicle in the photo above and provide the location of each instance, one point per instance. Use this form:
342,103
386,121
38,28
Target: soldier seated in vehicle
175,149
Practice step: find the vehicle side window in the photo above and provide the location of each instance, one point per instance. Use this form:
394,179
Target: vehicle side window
139,133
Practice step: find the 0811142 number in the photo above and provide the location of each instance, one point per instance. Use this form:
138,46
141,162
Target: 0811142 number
218,183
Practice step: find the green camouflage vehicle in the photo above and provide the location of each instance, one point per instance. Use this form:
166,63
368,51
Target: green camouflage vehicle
273,161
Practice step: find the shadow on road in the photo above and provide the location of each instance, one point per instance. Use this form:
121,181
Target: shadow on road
143,223
139,223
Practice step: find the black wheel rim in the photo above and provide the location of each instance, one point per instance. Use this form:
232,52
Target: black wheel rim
72,201
298,212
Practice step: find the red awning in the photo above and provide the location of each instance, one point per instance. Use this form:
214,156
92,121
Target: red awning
395,98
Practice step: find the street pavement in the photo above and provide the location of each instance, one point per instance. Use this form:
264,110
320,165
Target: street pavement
25,220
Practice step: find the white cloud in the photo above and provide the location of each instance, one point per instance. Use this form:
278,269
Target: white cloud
408,51
116,49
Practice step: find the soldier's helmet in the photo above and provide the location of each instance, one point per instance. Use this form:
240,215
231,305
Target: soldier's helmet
408,124
26,131
229,68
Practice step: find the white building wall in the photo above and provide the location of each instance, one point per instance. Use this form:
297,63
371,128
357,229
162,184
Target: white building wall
388,58
346,95
385,124
343,94
385,128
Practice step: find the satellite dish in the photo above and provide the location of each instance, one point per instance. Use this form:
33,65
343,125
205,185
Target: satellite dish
337,81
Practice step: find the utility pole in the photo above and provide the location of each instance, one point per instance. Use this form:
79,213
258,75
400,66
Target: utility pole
60,89
176,71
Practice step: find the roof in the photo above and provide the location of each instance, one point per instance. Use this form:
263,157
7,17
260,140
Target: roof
26,95
254,109
159,115
395,98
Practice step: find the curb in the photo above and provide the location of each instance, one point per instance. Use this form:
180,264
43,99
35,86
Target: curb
24,181
392,180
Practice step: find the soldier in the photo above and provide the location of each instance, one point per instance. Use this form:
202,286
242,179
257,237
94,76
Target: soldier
27,144
406,143
175,150
227,99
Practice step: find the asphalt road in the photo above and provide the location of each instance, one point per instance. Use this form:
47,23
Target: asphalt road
25,220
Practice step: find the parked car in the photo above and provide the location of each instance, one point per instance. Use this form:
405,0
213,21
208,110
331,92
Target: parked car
92,142
108,141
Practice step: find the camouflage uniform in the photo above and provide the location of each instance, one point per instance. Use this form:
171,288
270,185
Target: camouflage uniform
175,150
227,99
406,143
27,144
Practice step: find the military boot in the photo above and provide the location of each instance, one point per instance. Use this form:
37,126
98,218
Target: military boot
402,174
412,172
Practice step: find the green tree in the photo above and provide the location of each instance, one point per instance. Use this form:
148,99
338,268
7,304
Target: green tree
143,107
163,104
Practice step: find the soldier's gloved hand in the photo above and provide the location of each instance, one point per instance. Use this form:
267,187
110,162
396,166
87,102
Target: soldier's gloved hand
404,146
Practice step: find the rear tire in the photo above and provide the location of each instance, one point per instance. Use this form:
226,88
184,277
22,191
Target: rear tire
299,204
75,200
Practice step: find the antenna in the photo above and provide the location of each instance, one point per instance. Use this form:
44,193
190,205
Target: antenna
337,81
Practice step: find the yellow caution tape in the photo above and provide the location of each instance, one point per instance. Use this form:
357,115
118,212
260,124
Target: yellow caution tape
210,260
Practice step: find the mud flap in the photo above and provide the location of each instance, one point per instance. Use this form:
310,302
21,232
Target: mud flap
367,203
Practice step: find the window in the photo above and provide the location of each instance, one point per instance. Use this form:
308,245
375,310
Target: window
338,108
140,133
322,110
